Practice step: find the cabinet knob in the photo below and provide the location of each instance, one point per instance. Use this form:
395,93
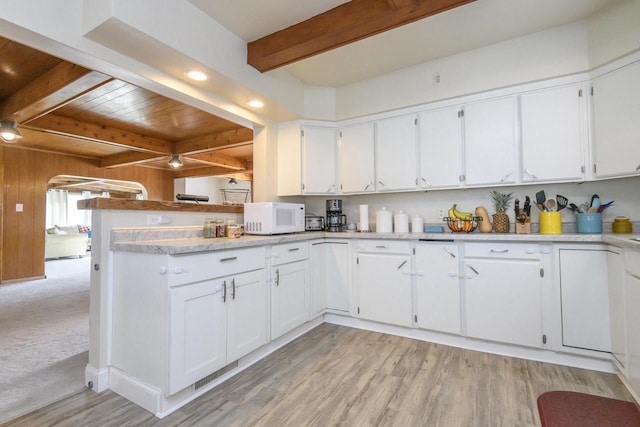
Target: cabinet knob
530,251
453,274
163,270
177,270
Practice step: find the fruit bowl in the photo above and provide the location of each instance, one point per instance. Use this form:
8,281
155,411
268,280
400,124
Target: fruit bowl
458,225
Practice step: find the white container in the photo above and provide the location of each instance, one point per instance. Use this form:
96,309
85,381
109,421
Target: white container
417,224
364,218
384,219
401,222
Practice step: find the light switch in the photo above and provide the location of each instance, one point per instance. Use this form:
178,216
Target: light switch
19,207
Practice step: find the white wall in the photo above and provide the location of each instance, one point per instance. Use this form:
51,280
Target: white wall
614,32
211,186
426,204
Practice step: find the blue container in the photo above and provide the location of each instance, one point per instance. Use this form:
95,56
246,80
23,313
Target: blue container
589,223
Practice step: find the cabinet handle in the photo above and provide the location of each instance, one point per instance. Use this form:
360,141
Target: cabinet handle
506,176
233,258
224,291
453,274
449,252
427,183
367,186
233,289
528,172
331,188
499,251
294,249
177,270
382,247
382,184
401,265
277,277
472,269
638,168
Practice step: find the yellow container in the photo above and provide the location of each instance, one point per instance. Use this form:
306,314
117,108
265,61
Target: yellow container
550,222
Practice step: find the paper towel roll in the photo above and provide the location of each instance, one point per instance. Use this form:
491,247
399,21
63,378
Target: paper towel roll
401,223
384,221
364,217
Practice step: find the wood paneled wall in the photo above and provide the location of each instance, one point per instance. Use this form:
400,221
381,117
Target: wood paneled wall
24,175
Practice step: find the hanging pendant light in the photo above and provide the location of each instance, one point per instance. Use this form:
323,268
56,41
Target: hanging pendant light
232,181
9,131
175,161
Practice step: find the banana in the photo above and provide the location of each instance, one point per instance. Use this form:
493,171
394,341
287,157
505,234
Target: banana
460,215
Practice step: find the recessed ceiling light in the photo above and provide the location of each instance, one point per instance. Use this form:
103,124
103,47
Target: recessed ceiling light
198,76
256,104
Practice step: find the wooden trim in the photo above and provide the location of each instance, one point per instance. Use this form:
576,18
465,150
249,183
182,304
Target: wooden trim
152,205
344,24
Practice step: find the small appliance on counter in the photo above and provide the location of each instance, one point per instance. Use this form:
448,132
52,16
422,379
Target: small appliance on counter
336,220
314,223
273,218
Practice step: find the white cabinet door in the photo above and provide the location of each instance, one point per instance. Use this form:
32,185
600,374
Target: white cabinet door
356,159
615,275
553,134
585,299
490,142
396,149
289,297
503,300
319,160
329,276
615,122
632,291
247,313
289,155
440,148
438,287
198,339
384,288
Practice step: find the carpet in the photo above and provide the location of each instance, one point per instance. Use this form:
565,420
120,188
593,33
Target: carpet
44,337
572,409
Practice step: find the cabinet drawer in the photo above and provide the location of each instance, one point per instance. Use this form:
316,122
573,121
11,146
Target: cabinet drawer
384,246
502,250
208,265
632,262
289,252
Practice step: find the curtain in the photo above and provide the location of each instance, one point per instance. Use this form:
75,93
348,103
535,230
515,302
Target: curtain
57,204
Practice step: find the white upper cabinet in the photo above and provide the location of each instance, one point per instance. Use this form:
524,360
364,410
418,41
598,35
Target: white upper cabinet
440,148
616,122
306,159
396,148
554,132
319,159
356,159
490,142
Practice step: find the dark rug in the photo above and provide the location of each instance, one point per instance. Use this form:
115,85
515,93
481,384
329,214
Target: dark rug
572,409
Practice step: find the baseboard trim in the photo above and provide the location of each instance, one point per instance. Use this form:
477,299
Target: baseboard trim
96,379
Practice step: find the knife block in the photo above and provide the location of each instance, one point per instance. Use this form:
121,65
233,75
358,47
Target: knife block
523,228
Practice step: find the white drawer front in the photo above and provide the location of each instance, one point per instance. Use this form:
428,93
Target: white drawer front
502,250
632,262
208,265
289,252
384,246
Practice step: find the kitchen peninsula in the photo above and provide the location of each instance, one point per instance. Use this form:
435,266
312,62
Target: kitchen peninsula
208,308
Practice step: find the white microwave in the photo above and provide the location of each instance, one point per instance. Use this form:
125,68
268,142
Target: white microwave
273,218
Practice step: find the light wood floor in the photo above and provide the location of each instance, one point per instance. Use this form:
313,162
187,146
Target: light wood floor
339,376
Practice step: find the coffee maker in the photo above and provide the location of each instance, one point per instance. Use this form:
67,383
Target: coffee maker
336,221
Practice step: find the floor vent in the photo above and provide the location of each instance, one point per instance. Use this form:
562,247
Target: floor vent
206,380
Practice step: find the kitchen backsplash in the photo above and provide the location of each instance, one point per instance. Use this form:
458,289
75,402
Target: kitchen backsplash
624,191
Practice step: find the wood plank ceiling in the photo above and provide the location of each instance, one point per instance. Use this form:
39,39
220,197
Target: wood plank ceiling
66,109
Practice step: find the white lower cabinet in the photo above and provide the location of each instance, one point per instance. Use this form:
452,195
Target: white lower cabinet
617,299
438,287
329,276
584,295
632,302
503,293
290,299
383,282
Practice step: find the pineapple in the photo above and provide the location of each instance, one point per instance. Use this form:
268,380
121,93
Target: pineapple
501,202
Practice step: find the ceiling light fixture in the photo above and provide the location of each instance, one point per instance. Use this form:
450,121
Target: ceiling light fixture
9,131
198,76
175,161
256,104
232,181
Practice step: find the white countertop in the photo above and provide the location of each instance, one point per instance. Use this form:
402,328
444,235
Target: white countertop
189,239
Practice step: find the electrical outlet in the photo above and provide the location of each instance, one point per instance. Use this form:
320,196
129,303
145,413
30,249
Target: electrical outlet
440,213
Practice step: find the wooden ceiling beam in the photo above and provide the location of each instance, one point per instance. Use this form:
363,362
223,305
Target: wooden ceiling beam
60,125
227,139
129,158
61,85
217,159
344,24
208,171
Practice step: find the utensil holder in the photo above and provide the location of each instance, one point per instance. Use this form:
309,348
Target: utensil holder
589,223
550,222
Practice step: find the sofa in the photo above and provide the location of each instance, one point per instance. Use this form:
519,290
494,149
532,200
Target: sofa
65,241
